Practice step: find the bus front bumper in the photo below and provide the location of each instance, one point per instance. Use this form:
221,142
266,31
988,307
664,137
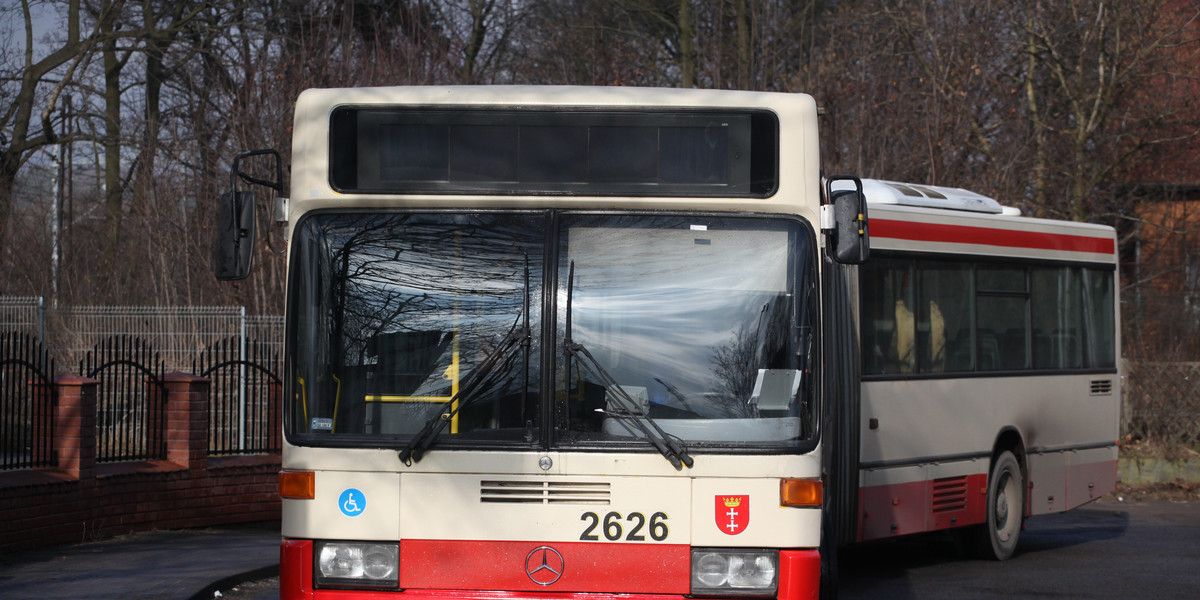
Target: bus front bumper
799,579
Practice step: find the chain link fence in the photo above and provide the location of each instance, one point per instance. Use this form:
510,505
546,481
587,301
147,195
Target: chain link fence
1161,403
23,313
178,333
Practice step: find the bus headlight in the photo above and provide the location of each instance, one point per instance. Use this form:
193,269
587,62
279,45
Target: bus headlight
729,571
357,564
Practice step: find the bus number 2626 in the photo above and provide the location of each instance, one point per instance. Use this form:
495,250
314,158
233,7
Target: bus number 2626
613,526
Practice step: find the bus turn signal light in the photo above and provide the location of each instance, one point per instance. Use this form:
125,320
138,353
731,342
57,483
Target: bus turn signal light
297,485
801,492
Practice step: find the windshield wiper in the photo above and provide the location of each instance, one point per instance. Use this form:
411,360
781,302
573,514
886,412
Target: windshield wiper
674,391
479,379
670,447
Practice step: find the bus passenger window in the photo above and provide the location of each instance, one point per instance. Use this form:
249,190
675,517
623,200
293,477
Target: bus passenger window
1099,322
1056,318
944,322
888,321
1002,305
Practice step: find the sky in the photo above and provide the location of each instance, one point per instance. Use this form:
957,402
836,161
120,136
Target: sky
46,18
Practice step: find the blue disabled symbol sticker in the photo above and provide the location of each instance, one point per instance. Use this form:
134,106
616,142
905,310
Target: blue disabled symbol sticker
352,502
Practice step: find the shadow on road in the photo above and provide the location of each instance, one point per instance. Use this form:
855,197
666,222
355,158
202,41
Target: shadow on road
868,569
1080,526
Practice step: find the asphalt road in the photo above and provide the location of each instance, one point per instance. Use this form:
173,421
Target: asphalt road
1129,550
1104,550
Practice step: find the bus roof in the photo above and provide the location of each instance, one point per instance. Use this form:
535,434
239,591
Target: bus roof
878,191
913,218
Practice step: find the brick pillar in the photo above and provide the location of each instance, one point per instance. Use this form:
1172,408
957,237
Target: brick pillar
75,425
187,420
274,424
154,420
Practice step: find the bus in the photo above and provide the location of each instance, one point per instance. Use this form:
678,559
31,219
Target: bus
565,342
989,385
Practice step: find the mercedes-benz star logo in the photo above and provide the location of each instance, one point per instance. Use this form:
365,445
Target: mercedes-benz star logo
544,565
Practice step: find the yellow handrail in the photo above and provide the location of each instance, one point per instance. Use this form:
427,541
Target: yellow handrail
451,373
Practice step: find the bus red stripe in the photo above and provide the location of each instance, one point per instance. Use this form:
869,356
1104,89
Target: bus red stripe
587,567
988,236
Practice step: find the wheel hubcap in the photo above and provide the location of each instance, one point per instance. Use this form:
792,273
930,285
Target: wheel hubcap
1001,509
1004,529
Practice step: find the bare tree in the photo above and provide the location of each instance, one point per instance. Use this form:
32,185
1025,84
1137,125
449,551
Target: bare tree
1074,109
481,31
1085,61
34,88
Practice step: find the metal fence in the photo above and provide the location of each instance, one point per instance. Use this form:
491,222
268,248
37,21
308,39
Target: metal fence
128,349
244,375
23,313
130,416
26,403
179,333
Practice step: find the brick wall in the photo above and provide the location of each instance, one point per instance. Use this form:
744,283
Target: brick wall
80,500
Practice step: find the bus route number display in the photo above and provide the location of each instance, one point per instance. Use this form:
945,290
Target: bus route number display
633,527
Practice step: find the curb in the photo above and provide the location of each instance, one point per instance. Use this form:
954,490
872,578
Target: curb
1137,471
235,580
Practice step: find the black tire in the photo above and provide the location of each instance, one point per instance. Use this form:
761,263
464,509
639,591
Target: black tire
829,562
1005,509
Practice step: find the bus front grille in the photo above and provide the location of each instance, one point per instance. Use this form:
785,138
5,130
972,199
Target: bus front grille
544,492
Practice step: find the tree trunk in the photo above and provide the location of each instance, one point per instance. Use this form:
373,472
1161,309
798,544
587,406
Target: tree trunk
143,189
687,46
1036,124
742,16
9,162
479,14
112,154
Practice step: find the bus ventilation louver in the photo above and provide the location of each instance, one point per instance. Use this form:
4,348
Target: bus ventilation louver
1101,387
949,495
544,492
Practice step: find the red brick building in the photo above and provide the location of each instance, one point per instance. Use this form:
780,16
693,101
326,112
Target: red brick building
1161,274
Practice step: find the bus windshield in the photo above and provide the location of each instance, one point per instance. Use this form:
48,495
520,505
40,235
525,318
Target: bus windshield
702,325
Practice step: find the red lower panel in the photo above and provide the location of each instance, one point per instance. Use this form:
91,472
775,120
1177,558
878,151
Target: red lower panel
799,576
914,507
585,567
295,570
919,506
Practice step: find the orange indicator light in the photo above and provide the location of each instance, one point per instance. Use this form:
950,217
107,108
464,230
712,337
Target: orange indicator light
298,485
801,492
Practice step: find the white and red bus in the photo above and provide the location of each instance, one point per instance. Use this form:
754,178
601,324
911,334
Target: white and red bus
558,342
989,352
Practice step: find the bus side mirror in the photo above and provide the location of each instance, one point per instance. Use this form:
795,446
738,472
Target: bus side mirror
233,253
845,219
234,250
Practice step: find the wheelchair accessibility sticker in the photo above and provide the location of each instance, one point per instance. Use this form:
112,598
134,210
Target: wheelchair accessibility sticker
352,502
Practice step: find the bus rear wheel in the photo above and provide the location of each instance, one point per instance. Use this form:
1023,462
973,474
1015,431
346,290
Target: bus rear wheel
997,538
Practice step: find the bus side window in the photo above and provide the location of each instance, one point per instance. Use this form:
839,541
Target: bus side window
1056,315
1099,320
934,316
1002,305
945,305
889,324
